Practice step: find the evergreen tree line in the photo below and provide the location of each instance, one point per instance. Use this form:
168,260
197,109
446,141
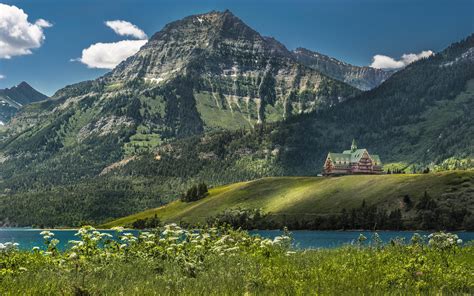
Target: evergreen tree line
196,192
424,215
147,223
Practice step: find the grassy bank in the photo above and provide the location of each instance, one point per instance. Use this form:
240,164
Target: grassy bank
226,262
293,198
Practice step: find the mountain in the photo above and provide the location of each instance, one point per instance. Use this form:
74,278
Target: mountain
363,78
234,72
12,99
202,73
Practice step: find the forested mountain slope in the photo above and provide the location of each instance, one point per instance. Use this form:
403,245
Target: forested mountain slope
421,115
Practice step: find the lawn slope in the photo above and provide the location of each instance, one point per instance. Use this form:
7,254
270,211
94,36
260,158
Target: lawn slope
304,197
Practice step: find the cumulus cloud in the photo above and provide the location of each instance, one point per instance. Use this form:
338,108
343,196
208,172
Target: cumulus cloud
17,35
124,28
108,55
2,76
385,62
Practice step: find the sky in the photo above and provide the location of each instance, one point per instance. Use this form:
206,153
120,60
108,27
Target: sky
53,43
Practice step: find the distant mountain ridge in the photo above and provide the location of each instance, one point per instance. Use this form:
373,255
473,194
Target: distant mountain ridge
363,78
11,99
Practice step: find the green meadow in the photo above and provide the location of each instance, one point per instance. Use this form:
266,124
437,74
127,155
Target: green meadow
286,198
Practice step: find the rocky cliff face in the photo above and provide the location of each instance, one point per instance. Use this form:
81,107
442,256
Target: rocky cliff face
363,78
234,66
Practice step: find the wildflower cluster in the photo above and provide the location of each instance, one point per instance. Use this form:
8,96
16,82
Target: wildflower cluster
8,246
442,240
188,248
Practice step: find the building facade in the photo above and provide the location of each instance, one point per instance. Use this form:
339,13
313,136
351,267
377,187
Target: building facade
354,161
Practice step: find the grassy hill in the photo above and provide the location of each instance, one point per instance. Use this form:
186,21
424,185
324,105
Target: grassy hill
304,198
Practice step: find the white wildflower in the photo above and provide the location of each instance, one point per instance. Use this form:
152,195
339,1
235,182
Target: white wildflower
73,256
46,233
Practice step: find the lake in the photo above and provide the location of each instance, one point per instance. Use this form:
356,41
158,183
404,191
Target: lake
303,239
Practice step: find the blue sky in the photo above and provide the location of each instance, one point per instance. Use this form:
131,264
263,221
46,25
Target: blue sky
352,31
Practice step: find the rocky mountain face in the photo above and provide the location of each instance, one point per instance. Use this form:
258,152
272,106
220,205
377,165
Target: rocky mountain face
12,99
363,78
233,70
201,73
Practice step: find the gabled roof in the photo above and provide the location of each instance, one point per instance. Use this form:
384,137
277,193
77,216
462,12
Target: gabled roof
376,158
339,157
352,156
356,155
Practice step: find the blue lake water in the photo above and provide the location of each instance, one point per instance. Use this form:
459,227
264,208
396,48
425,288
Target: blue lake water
310,239
304,239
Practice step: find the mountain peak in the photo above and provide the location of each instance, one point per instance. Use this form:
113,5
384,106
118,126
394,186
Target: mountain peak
15,97
170,51
24,85
211,24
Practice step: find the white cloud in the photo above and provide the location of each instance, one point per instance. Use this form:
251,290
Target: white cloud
17,35
109,55
124,28
2,76
385,62
43,23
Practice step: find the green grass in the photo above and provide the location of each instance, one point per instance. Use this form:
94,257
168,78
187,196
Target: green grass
113,86
327,272
215,116
225,262
305,197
